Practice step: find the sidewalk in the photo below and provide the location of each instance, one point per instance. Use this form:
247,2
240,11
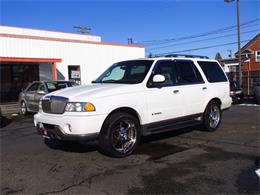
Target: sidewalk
9,109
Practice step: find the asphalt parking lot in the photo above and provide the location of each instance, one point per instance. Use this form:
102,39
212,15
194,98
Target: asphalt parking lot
188,161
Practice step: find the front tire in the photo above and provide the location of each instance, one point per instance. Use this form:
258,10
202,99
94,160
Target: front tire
212,116
120,135
24,110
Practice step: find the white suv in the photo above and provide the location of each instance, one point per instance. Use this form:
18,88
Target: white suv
137,98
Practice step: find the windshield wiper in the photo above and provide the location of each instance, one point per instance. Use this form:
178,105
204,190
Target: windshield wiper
110,81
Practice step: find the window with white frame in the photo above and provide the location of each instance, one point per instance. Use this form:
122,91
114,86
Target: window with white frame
257,56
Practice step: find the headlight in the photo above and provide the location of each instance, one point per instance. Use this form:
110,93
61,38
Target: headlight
79,107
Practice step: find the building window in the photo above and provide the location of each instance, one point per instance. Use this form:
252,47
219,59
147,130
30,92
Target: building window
257,56
74,73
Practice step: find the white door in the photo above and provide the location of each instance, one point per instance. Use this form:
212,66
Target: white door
164,101
194,89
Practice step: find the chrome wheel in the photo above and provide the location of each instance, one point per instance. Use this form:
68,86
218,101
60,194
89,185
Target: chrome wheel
23,108
124,134
214,116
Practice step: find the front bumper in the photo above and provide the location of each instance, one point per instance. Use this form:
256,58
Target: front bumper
68,126
54,132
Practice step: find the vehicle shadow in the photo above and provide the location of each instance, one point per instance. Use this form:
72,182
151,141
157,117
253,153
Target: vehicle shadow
75,147
146,146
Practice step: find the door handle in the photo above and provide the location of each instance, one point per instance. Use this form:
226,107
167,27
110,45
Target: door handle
204,88
176,91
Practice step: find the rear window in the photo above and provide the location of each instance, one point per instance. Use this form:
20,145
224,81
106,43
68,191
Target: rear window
213,71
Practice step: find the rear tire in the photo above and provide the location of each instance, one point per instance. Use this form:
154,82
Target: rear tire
23,110
120,135
212,116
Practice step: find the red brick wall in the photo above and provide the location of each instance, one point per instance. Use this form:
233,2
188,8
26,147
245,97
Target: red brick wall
252,65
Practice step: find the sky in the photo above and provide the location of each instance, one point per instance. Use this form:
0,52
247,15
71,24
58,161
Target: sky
165,26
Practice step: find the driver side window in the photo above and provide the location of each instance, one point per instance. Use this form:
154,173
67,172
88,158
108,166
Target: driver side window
33,87
42,88
167,70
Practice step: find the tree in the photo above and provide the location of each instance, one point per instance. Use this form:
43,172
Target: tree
218,57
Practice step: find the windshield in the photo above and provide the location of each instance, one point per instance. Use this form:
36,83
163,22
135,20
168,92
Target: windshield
56,85
128,72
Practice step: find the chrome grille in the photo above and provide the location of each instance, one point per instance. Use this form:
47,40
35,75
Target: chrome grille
54,104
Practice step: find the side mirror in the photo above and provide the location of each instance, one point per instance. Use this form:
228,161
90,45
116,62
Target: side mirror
41,92
158,79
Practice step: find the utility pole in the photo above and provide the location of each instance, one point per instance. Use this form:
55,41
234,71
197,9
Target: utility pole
230,53
82,29
239,46
238,40
130,40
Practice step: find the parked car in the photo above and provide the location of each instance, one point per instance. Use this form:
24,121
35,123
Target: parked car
30,97
236,92
137,98
257,93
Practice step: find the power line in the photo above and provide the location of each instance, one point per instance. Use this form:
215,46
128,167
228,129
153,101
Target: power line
212,38
201,48
205,33
217,31
179,39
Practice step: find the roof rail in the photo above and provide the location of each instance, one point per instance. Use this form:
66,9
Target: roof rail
182,55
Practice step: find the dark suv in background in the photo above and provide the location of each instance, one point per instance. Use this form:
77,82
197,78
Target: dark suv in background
29,98
236,92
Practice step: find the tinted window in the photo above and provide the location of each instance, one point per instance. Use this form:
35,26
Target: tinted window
166,69
213,71
33,87
187,73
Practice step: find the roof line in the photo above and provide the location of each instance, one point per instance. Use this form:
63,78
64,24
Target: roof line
251,41
38,29
66,40
29,59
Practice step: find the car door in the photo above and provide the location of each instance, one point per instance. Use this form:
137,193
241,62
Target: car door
29,97
194,89
164,102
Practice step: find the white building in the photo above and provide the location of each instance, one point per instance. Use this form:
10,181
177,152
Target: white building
28,54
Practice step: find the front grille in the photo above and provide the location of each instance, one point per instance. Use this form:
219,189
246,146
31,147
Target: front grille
54,104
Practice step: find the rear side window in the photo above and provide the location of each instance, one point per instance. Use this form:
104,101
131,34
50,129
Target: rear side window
212,71
187,73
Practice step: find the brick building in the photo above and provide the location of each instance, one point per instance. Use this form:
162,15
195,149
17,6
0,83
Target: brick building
251,64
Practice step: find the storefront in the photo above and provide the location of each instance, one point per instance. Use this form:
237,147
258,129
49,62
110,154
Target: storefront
27,55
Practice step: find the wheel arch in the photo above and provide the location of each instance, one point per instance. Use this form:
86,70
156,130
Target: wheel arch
128,110
216,99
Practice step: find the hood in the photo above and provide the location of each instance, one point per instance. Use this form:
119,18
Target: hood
80,93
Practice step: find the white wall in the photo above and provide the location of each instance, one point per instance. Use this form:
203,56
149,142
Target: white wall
92,58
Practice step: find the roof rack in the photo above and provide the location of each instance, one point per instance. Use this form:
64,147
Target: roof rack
182,56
